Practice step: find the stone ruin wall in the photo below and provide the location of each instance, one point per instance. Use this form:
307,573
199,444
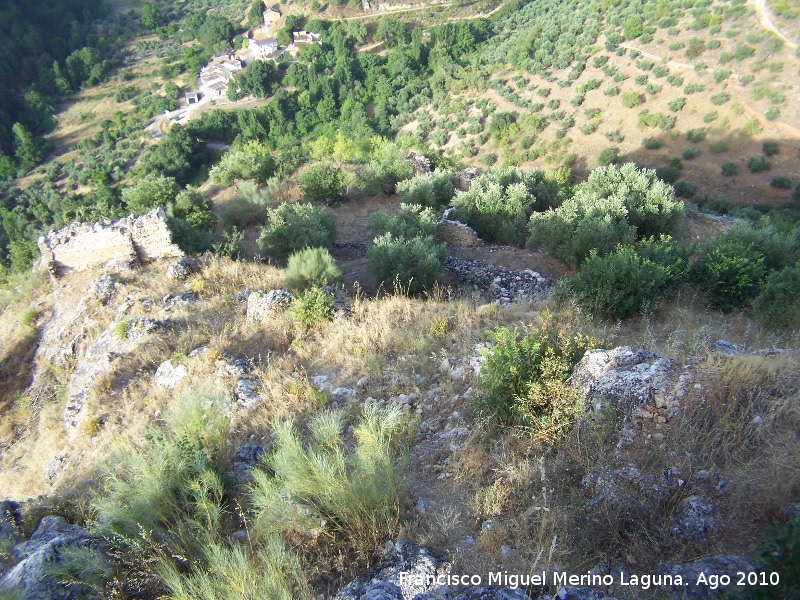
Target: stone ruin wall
82,246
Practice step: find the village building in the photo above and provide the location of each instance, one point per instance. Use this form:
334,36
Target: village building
271,17
305,37
214,77
261,49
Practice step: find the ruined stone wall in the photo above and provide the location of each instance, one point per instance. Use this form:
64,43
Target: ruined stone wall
81,246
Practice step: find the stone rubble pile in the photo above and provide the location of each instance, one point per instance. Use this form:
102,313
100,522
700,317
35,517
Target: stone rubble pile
498,283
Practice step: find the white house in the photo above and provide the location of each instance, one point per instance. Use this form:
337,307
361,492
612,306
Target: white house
305,37
261,49
271,16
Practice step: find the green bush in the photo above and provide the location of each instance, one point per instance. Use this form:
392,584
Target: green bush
630,99
772,113
608,156
412,220
729,169
718,147
411,266
728,272
677,104
252,161
353,493
625,281
668,174
779,249
434,190
500,202
324,182
521,382
683,189
614,206
719,99
243,213
312,307
778,302
710,116
696,135
652,143
292,227
690,153
770,148
751,128
388,167
312,267
780,553
758,164
781,182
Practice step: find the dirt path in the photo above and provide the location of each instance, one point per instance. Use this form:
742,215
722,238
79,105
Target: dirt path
672,63
417,8
765,16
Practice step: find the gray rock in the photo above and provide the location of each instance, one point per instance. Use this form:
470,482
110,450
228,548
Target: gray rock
181,269
54,467
465,177
715,565
248,393
101,289
571,593
624,378
241,296
695,521
198,352
419,162
382,591
416,565
342,394
321,383
726,347
10,522
262,306
246,457
185,299
487,593
239,367
41,555
168,375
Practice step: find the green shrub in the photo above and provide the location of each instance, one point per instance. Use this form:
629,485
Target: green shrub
729,169
611,90
693,88
696,135
243,212
781,182
252,161
690,153
677,104
668,174
608,156
728,272
500,202
779,249
292,227
652,143
382,174
683,189
772,113
352,493
434,190
652,89
630,99
625,281
778,302
313,307
521,382
411,266
719,99
324,182
758,164
780,553
412,220
312,267
614,206
718,147
710,116
770,148
751,128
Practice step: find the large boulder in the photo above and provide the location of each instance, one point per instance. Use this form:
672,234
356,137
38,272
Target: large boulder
623,379
262,306
40,557
405,567
169,375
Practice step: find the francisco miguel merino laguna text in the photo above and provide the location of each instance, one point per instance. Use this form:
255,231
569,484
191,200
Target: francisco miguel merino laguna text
542,578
